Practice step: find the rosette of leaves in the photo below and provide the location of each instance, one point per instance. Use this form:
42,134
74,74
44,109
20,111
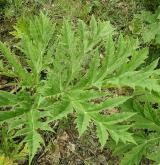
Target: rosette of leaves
60,73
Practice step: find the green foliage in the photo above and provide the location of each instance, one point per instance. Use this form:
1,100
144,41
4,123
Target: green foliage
147,25
70,74
146,129
10,150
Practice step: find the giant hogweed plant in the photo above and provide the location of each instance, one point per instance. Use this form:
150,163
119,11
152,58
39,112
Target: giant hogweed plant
66,73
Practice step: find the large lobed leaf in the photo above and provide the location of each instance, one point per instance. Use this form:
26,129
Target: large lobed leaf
74,75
